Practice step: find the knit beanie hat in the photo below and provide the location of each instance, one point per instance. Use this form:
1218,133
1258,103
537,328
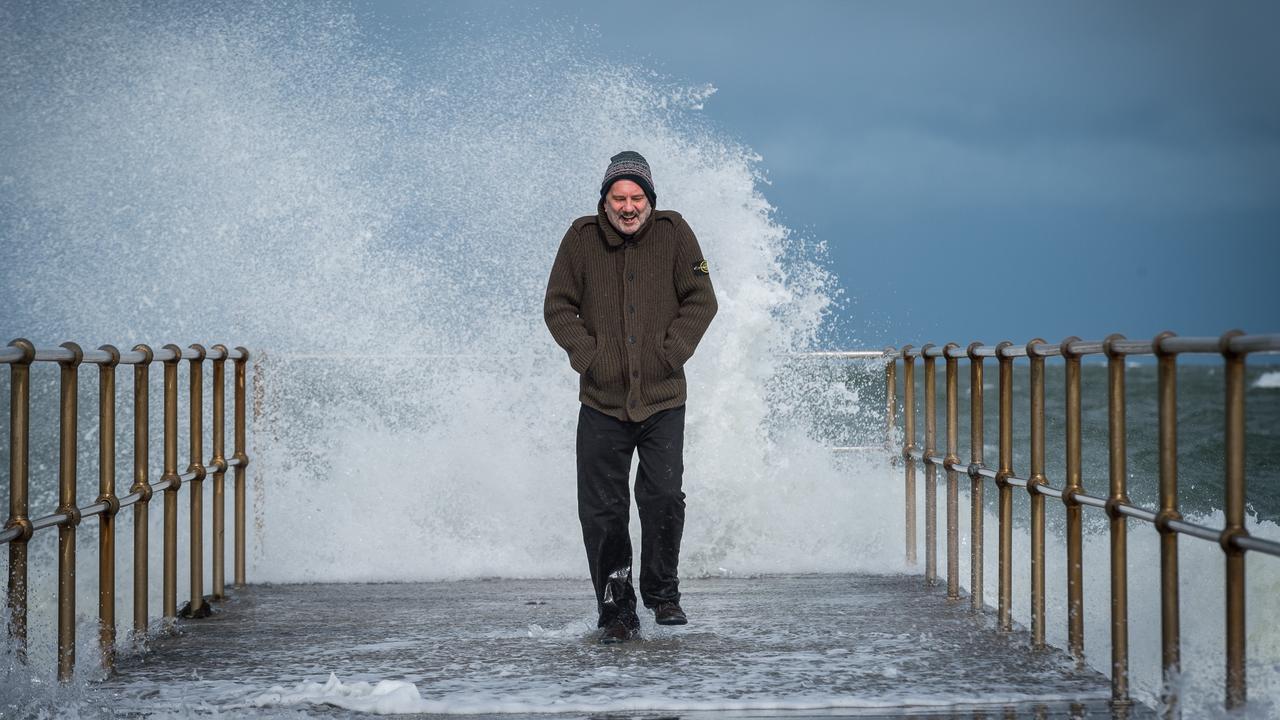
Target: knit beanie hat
629,165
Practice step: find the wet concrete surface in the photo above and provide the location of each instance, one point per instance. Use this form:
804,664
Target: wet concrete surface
774,646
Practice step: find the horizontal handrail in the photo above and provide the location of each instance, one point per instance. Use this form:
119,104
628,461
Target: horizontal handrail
12,354
1170,345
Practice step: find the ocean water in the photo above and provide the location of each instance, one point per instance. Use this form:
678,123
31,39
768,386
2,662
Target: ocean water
378,232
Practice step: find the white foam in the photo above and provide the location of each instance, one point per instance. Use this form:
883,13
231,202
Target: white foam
1268,381
389,697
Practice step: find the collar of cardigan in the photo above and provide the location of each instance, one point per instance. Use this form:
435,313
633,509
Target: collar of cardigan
611,234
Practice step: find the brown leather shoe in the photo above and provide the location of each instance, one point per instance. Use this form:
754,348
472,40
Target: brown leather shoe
616,631
669,613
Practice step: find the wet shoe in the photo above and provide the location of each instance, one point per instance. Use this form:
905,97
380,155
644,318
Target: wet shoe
616,632
669,613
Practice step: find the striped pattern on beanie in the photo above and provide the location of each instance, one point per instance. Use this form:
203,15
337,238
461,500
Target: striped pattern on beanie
630,165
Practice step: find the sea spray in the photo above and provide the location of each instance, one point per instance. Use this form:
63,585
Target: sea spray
379,236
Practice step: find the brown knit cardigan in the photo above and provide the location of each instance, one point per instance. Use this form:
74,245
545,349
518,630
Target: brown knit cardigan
629,310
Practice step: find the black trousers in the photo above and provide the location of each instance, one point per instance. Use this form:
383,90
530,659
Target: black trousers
605,447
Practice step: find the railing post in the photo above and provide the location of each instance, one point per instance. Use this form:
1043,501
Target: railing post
1170,625
1118,496
909,446
890,399
1034,482
219,465
19,467
1233,505
107,495
930,469
170,610
68,434
196,606
976,509
141,485
1003,474
1073,485
953,483
242,461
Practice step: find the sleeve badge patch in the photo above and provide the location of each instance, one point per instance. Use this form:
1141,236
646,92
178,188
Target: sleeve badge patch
701,266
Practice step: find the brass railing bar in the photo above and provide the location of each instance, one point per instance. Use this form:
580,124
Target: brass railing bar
140,490
976,506
1256,544
1170,610
53,354
1237,344
953,351
1134,347
1198,531
1084,347
110,506
241,357
1005,499
936,459
195,491
1245,344
52,520
12,533
1010,351
1037,479
930,353
237,462
909,453
68,437
1048,491
1118,526
987,472
218,463
1090,500
1071,489
169,557
1233,509
1015,481
187,477
1135,512
1044,349
99,357
950,462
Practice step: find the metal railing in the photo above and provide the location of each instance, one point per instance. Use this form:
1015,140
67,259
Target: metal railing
20,355
1234,539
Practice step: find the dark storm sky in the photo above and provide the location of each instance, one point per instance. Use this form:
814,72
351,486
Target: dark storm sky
991,170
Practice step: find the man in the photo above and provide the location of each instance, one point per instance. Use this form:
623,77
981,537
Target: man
629,298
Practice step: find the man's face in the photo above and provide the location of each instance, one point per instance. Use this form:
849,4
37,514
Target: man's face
627,206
